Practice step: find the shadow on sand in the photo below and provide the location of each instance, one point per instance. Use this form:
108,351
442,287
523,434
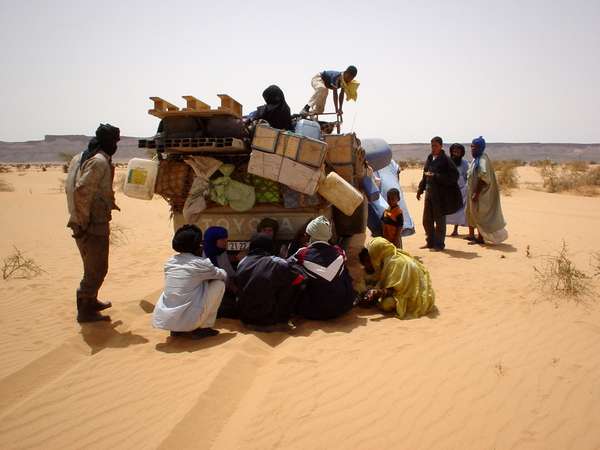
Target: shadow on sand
433,314
460,254
101,335
181,345
506,248
302,327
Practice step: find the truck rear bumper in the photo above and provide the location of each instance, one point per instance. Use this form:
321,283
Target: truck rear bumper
241,226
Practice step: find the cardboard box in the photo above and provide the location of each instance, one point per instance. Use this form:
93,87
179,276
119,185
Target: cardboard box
265,138
288,144
312,152
341,148
346,171
299,177
266,165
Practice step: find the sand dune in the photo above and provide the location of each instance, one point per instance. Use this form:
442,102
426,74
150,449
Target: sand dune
500,366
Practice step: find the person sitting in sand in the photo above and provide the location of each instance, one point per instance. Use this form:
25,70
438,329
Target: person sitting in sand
403,284
270,227
268,285
329,291
215,249
484,211
194,288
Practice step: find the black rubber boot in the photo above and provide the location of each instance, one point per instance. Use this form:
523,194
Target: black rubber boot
86,311
99,305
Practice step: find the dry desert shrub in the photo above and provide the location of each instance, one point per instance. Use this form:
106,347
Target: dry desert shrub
596,263
542,163
18,266
411,163
506,174
571,178
557,275
5,186
118,235
5,169
577,166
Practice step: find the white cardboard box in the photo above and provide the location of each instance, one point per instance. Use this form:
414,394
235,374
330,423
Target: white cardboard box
266,165
299,177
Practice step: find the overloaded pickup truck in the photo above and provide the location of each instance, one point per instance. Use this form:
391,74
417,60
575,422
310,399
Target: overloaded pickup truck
221,133
197,130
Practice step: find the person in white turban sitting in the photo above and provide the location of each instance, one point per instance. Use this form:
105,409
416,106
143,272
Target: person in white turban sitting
329,291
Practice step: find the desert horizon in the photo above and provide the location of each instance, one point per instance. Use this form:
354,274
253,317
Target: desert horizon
57,148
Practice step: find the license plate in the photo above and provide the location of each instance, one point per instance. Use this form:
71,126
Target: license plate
236,246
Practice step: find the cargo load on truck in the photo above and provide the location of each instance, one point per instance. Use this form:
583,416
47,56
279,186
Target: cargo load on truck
213,169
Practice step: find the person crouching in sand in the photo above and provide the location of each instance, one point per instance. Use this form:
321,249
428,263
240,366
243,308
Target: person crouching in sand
194,288
403,284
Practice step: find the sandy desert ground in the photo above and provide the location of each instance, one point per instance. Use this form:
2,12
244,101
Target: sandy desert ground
501,366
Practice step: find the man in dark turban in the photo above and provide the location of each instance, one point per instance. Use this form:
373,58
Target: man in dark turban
90,199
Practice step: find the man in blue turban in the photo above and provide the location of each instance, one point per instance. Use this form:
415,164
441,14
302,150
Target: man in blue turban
484,211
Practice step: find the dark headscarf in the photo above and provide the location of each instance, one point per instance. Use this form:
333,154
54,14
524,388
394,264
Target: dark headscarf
479,144
187,239
106,140
276,111
211,236
267,222
260,245
461,149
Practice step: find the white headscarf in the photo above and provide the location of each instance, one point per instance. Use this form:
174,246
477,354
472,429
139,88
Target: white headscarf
319,229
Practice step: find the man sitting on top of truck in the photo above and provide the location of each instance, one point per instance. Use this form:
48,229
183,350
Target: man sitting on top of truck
276,111
334,80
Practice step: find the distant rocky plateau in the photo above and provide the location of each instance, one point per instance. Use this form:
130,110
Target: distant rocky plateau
56,148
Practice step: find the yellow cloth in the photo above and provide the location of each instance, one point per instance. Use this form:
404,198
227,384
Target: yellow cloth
398,270
351,89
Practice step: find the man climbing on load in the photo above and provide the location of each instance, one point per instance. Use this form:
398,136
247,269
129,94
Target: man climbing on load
334,80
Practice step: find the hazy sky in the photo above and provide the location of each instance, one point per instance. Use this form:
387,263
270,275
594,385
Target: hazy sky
512,71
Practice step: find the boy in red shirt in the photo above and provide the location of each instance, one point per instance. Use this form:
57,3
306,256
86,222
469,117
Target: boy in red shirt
392,220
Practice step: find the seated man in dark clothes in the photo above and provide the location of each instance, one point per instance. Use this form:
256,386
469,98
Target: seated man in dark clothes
276,111
329,291
268,285
215,249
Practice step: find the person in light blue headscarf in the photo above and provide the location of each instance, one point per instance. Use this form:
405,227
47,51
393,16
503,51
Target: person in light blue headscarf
484,211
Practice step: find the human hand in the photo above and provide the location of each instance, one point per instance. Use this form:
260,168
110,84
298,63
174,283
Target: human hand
418,196
78,231
372,295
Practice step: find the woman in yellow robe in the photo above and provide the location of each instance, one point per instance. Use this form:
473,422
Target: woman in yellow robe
403,283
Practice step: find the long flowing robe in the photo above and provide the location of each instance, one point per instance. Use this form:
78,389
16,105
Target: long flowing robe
459,217
188,298
486,212
396,269
267,292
